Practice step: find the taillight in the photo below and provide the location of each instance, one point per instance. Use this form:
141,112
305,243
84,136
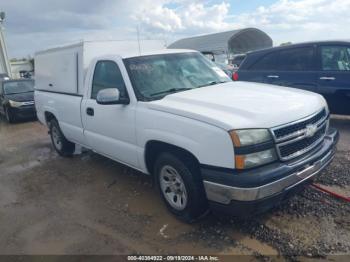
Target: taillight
235,76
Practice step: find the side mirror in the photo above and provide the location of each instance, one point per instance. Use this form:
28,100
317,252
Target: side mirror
111,96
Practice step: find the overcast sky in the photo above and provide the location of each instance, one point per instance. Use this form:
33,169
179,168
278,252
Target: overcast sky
32,25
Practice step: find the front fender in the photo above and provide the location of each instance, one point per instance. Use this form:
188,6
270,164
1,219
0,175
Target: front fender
211,145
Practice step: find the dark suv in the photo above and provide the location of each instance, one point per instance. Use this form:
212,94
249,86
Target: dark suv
321,67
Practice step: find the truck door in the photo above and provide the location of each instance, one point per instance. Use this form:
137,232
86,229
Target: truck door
334,77
110,129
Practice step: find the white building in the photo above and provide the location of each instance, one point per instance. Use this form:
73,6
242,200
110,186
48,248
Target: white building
19,67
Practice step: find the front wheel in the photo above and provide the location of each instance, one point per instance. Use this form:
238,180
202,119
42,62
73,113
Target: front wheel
60,143
180,187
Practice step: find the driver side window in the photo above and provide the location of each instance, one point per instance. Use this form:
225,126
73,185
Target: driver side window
107,75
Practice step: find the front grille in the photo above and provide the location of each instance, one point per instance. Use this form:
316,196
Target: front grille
296,138
286,131
298,147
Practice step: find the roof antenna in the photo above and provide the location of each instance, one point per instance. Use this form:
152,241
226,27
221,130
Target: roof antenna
138,38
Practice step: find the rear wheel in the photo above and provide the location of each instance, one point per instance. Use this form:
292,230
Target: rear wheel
180,187
10,118
60,143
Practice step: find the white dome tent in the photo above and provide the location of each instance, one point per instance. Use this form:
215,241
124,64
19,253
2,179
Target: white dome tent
226,43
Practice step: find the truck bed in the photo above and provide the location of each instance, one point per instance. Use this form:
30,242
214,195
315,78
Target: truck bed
66,108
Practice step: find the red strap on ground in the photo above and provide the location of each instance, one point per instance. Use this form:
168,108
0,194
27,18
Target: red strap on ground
347,199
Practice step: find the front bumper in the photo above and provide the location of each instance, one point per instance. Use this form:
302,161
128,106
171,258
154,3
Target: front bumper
262,188
23,111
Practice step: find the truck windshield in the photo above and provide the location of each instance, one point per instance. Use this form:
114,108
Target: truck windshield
16,87
156,76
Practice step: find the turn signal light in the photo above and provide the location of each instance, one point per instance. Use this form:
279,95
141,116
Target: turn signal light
240,161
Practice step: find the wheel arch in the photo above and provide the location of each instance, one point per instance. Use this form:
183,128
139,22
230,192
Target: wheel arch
49,116
155,147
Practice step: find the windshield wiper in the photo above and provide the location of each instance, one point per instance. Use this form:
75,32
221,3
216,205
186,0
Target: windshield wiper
171,90
174,90
213,83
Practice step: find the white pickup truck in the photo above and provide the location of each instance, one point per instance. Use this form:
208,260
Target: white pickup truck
207,141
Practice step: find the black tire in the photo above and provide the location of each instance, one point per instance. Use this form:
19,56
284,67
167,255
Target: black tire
63,147
10,118
196,203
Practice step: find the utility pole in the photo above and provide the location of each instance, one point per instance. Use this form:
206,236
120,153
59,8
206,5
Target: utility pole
138,38
4,61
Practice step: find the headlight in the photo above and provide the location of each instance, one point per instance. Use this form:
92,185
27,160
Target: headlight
255,159
249,137
253,147
15,103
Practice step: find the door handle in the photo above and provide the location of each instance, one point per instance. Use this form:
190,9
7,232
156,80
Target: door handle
329,78
90,111
273,76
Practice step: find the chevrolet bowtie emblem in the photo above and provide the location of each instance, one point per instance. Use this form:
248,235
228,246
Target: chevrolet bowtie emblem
310,130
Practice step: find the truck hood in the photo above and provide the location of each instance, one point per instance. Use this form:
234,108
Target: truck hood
236,105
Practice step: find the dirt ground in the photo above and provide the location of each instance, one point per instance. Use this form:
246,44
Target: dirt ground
89,204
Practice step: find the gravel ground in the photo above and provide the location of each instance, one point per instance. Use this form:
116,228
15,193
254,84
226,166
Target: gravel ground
337,174
91,205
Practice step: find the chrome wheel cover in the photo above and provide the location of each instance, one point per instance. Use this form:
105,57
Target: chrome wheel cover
173,188
56,138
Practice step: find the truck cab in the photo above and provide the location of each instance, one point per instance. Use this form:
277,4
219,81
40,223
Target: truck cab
208,142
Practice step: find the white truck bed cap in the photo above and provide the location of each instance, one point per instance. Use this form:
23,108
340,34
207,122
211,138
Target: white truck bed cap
72,61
